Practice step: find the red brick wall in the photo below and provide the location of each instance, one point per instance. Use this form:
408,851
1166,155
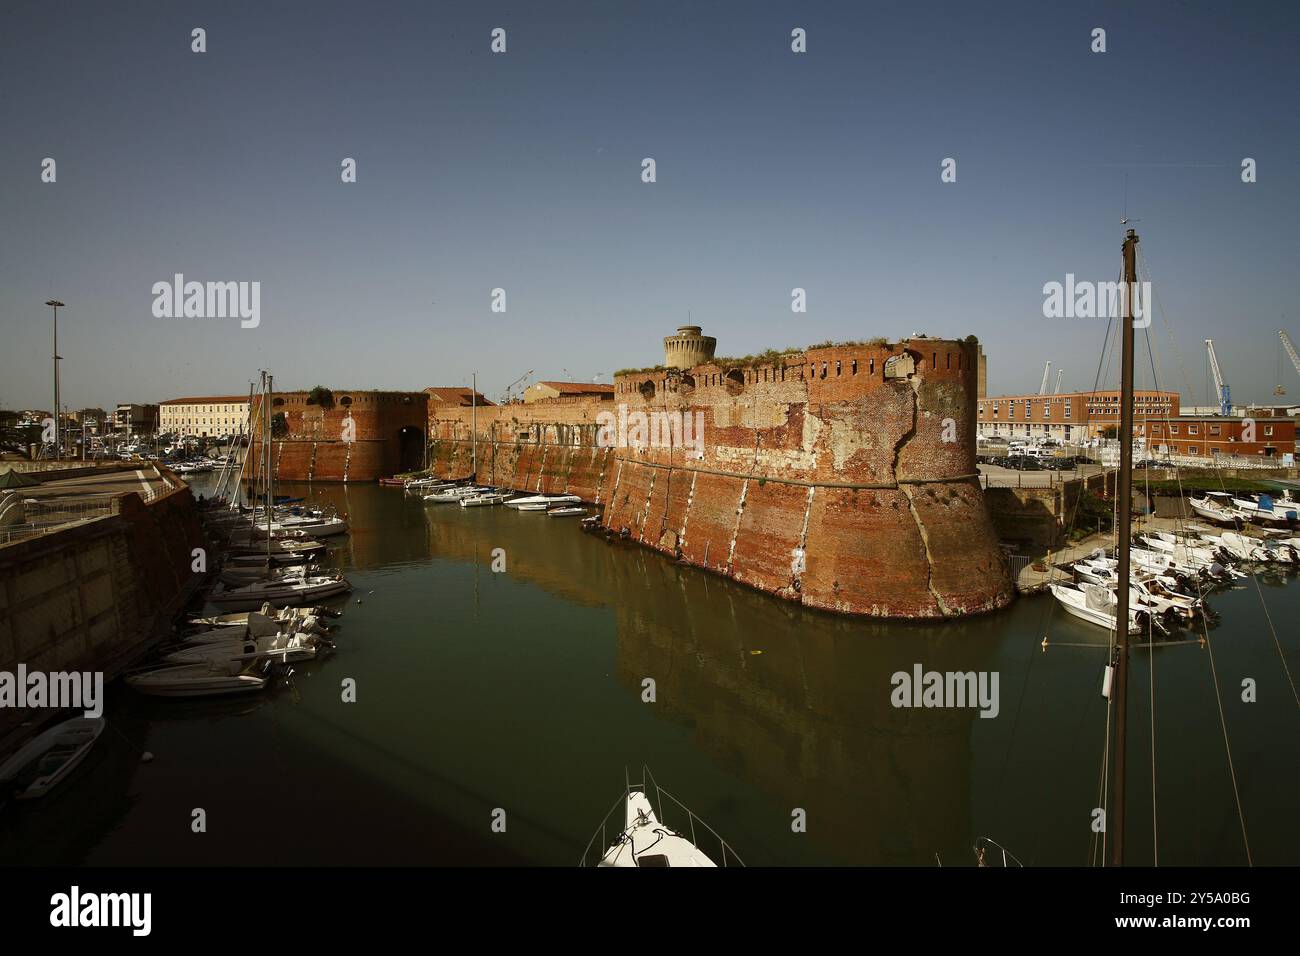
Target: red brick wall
314,449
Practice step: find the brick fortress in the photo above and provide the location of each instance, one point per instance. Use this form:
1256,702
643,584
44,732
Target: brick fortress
841,477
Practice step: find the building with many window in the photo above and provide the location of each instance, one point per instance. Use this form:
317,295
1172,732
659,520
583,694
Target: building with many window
1217,436
1070,417
205,416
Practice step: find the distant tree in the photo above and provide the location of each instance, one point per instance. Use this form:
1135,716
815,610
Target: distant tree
322,396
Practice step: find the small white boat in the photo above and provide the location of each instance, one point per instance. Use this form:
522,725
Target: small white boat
452,495
541,502
644,840
482,501
285,648
1243,547
288,593
49,758
1264,509
251,574
1216,506
200,680
259,560
245,545
1097,604
1164,598
301,527
298,615
565,511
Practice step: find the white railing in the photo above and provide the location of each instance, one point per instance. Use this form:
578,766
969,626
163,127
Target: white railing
727,855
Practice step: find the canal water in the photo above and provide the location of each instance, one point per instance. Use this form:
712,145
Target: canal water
519,697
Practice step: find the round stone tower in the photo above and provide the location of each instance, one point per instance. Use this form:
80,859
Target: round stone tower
688,347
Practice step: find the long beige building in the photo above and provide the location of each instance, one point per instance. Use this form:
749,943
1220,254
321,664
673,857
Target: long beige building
208,415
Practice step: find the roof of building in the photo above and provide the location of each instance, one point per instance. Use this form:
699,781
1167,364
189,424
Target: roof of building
1207,417
458,395
578,388
206,400
1098,393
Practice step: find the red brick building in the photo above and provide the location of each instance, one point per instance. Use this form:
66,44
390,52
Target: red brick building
1069,417
1208,436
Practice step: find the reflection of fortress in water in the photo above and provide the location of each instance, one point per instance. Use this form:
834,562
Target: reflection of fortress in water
808,721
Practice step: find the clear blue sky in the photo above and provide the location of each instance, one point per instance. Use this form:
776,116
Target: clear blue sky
522,171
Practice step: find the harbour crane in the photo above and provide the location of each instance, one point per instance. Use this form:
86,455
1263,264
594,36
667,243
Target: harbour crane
1225,397
1291,353
1059,373
1047,370
510,387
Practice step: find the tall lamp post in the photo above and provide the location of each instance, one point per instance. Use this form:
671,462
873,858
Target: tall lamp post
56,305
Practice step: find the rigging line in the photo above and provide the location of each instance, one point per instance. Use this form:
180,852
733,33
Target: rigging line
1052,610
1259,590
1209,646
1097,854
1074,511
1151,647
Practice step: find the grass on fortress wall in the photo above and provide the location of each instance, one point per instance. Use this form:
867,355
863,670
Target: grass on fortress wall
767,356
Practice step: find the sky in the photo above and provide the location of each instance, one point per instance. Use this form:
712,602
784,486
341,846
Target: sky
522,171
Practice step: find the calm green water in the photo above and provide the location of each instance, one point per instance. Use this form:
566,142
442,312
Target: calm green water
523,691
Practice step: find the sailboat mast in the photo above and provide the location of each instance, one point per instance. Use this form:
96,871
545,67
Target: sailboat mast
270,480
473,427
1123,508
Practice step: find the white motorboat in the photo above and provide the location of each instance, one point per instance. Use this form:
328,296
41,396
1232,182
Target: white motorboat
1216,506
1264,509
482,501
250,545
49,758
209,679
298,615
287,593
1242,547
1194,551
281,647
565,511
1164,598
541,502
281,559
250,574
1277,552
645,840
1096,604
453,495
299,527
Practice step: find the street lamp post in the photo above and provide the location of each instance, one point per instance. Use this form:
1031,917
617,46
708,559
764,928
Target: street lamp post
56,304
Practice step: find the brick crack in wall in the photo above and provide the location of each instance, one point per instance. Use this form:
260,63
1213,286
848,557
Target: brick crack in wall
914,382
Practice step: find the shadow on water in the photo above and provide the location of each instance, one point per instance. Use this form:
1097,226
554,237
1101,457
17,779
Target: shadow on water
525,692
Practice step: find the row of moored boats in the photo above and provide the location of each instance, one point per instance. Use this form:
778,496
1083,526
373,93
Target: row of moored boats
438,491
1170,572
